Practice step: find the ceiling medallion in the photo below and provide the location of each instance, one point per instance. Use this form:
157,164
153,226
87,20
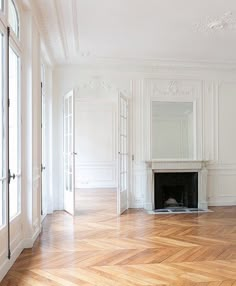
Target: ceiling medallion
227,22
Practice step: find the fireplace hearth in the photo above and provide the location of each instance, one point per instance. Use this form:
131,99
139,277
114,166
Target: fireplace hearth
176,190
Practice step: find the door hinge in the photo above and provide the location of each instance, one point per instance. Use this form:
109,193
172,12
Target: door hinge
42,167
10,176
132,157
9,102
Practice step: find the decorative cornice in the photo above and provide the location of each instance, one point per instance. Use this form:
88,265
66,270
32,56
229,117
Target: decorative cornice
43,32
173,89
75,24
226,22
149,65
96,84
61,29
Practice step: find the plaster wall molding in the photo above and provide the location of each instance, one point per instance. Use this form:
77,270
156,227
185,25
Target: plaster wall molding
174,88
226,22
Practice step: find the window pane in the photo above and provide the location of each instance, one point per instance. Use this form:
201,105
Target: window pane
13,17
2,140
1,4
14,125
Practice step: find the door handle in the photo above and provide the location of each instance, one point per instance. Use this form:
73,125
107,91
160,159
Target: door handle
11,176
42,168
74,153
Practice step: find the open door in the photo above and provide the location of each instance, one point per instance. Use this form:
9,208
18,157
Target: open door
69,154
123,155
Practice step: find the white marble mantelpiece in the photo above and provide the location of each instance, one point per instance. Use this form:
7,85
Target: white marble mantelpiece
164,166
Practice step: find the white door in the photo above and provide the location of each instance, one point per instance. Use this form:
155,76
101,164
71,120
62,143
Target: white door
123,157
69,154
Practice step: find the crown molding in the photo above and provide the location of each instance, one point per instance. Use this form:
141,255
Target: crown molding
150,65
45,47
75,24
61,28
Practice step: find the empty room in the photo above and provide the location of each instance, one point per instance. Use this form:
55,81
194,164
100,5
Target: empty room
118,142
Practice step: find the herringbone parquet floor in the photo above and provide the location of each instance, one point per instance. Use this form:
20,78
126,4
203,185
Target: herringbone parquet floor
135,249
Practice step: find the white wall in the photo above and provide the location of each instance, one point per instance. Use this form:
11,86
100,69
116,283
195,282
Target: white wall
222,172
95,143
212,90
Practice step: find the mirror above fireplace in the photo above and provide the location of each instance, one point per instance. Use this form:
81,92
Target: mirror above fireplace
173,130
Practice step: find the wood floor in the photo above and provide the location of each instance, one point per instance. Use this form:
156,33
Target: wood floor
95,201
134,249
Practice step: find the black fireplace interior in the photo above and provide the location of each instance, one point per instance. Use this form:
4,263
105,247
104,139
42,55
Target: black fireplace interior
173,190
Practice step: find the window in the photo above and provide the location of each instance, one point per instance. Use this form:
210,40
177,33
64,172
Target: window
13,17
14,131
2,140
13,127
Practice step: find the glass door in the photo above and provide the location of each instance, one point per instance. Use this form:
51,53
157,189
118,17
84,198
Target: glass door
10,124
69,154
14,134
123,157
3,173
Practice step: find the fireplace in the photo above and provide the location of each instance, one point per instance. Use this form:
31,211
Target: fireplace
176,190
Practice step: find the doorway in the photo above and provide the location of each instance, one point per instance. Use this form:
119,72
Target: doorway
96,157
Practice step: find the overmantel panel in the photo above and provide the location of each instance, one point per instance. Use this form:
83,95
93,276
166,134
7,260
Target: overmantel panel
175,90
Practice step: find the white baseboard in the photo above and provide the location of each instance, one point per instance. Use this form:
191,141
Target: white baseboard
148,206
7,264
203,205
221,204
29,242
135,205
26,243
96,186
221,201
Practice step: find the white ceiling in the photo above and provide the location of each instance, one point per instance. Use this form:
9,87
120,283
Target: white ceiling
86,30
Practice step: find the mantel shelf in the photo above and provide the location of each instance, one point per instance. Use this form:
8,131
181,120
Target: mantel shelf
176,164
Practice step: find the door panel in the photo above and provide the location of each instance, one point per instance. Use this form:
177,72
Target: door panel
44,171
69,160
123,158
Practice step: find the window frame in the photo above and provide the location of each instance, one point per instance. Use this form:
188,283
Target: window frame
3,32
17,35
2,6
15,44
17,51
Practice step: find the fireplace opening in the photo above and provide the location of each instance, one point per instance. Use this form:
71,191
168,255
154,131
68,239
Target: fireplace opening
176,190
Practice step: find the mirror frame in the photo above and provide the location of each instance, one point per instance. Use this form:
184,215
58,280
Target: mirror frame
195,126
